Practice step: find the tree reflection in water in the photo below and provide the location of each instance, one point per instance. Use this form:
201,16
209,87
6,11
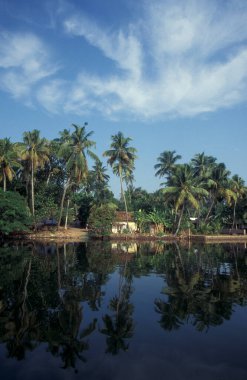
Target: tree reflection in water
119,325
202,289
54,294
21,324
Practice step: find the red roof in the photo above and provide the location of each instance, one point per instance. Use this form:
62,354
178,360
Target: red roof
121,216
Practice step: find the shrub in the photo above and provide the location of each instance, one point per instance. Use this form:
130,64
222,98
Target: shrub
15,214
101,218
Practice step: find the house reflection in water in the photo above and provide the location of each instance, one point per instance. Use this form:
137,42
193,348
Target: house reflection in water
127,247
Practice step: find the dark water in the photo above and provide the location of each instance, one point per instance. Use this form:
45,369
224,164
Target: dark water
93,311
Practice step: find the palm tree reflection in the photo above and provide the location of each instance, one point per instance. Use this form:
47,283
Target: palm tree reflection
119,326
200,291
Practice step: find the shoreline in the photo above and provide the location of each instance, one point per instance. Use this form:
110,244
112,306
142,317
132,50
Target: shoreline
82,235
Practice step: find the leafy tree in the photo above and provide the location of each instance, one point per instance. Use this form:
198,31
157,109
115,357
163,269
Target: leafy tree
239,189
183,189
121,158
101,218
84,202
218,186
46,206
166,163
202,165
141,220
8,160
140,199
99,183
74,150
15,215
35,154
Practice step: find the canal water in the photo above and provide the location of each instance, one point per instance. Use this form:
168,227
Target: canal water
123,311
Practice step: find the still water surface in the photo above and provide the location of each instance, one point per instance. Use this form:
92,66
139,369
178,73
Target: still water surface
111,311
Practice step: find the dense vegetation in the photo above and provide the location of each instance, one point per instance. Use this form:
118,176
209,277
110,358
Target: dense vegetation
56,182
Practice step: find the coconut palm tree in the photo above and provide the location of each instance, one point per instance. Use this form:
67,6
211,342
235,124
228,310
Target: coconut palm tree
202,165
183,188
99,181
166,163
240,190
121,158
35,155
219,188
8,160
74,150
99,173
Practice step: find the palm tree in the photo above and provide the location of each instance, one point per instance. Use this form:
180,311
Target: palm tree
99,173
121,158
74,151
99,181
202,165
166,163
219,187
8,160
183,188
35,154
240,190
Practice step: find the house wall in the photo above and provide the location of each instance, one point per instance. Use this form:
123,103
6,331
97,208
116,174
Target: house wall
119,227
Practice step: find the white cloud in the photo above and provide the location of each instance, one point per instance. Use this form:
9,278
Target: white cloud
24,61
52,95
181,58
122,47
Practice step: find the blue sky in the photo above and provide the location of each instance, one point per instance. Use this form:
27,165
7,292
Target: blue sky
172,75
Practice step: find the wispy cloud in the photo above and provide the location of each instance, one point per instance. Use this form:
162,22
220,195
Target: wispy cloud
24,62
180,58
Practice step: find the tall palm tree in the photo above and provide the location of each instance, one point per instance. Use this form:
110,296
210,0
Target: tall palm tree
202,165
99,181
240,190
99,173
183,188
35,155
166,163
74,150
121,158
218,186
8,160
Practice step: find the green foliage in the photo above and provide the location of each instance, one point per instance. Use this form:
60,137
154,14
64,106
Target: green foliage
15,215
101,218
46,205
55,174
84,203
214,227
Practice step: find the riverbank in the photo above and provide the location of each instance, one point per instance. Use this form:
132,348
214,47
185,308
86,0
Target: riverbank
170,238
81,235
60,234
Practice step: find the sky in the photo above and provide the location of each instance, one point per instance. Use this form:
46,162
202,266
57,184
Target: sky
172,75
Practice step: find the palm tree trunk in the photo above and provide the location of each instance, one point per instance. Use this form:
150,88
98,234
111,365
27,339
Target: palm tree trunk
62,201
209,211
179,221
4,181
32,187
234,215
123,195
48,178
67,213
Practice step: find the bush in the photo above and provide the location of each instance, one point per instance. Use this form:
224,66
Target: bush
45,205
214,227
101,218
15,214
